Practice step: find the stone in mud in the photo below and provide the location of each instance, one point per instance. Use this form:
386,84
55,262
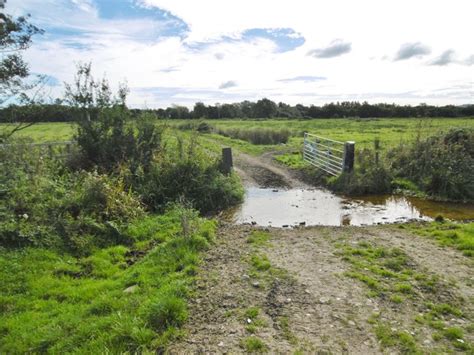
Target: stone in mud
323,300
256,284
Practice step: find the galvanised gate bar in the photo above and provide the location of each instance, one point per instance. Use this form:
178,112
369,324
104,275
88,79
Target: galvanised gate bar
331,156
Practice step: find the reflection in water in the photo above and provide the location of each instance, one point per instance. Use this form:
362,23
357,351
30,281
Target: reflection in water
320,207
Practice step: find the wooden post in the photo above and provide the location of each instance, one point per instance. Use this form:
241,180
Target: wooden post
227,163
349,153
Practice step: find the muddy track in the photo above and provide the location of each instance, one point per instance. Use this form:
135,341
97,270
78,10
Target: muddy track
306,301
310,305
262,171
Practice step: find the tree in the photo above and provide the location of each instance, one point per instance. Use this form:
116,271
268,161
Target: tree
265,108
106,134
200,110
15,37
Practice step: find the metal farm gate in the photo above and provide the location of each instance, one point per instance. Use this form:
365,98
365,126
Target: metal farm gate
331,156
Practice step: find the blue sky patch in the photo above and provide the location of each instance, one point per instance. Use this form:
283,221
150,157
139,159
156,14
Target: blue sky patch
285,39
133,10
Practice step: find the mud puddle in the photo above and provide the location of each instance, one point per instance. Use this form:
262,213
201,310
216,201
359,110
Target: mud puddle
293,207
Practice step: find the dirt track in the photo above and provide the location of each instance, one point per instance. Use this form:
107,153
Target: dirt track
305,300
261,171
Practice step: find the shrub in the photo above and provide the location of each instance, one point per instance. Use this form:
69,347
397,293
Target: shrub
113,139
190,175
44,204
367,177
442,165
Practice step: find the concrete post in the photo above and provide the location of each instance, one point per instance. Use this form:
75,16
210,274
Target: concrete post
349,154
227,163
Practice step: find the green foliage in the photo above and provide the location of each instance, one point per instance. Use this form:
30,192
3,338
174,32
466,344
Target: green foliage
459,236
260,262
253,345
166,312
186,173
259,238
390,338
44,204
252,313
112,139
367,177
442,165
118,299
257,136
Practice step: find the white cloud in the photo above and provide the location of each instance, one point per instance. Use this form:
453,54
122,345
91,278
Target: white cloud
121,48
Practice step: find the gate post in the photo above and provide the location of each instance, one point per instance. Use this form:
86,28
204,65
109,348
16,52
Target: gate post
227,163
349,153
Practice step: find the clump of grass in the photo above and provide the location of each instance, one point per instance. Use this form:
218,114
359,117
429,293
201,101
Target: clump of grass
456,235
252,313
393,338
260,262
165,312
396,299
254,345
258,238
284,325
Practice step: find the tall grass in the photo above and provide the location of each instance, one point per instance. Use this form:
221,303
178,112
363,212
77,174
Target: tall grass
258,136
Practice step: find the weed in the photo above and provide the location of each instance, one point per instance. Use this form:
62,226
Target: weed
252,313
284,324
459,236
253,345
394,338
168,311
260,262
259,238
396,299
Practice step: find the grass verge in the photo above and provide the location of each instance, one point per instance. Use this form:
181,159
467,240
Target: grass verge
121,299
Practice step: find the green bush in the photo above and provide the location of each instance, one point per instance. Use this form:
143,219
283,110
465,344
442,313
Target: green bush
44,204
368,177
442,165
188,174
113,139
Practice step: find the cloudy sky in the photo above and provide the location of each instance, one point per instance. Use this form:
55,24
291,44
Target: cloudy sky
298,51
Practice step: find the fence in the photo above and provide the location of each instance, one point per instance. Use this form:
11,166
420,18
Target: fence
331,156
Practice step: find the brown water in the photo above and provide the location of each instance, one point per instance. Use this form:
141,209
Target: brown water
274,207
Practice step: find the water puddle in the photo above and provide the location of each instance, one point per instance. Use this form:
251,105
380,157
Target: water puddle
293,207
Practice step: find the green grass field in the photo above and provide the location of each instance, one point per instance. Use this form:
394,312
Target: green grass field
45,132
391,131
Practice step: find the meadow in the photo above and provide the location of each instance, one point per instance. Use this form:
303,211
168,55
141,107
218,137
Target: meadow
391,131
102,253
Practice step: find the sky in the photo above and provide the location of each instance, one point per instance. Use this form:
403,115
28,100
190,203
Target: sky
298,51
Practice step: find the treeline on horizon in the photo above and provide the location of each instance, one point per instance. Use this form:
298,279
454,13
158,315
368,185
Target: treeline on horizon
261,109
